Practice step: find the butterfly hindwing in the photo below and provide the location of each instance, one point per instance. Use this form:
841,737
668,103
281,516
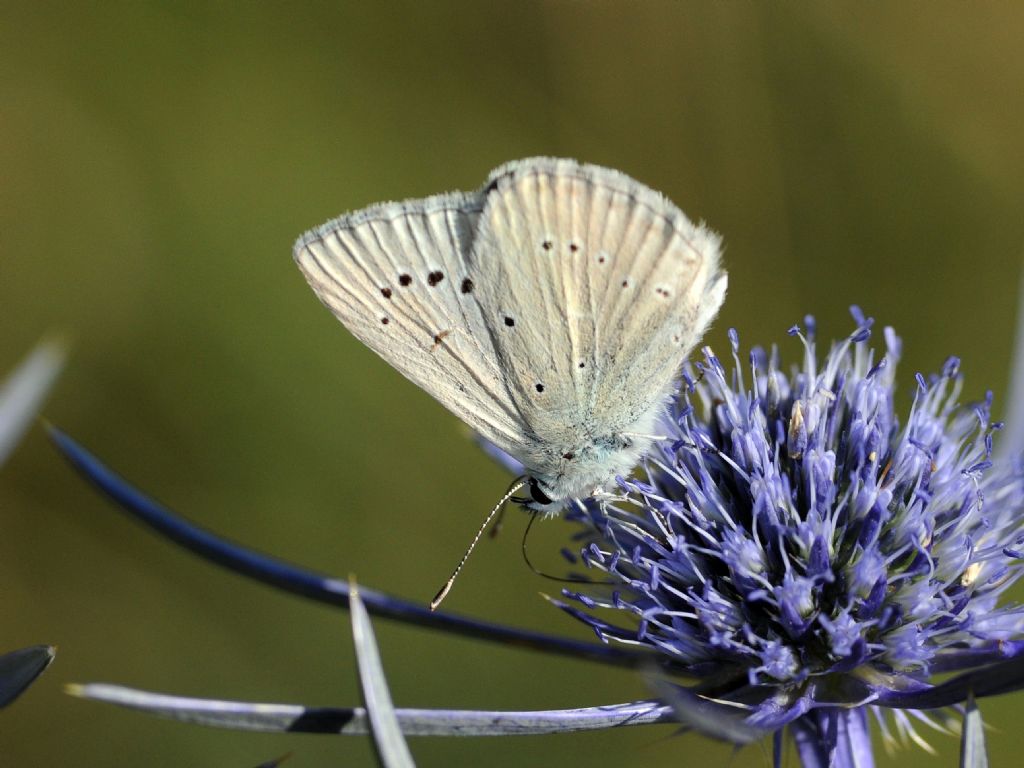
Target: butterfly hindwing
594,288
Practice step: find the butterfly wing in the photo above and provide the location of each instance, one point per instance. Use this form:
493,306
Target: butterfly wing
594,288
396,276
549,311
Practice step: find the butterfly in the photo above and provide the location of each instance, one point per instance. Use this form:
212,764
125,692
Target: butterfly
550,310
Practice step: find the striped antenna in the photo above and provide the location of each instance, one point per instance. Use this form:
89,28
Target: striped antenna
451,579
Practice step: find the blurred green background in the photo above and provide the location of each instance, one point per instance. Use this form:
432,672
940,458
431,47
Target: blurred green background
158,161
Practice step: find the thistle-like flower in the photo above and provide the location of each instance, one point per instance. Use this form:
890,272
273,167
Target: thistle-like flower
802,548
797,546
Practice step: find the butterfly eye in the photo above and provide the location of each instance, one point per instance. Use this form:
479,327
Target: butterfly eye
536,493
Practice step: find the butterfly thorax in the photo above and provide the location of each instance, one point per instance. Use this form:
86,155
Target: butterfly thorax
580,468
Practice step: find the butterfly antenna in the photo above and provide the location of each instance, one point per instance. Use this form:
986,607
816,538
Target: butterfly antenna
498,507
500,520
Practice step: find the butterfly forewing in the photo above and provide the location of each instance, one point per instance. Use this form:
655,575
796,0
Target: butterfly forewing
396,276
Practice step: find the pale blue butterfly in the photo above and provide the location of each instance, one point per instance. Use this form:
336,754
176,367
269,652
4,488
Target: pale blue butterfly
550,310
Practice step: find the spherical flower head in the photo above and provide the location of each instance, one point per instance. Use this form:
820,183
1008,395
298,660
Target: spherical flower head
793,535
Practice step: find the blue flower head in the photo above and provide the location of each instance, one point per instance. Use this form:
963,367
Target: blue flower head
798,543
805,553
